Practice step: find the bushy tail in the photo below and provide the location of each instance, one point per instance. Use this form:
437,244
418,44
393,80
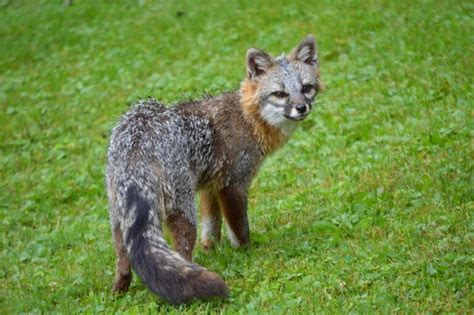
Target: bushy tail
164,271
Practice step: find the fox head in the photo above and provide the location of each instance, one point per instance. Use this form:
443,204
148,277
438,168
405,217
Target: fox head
283,88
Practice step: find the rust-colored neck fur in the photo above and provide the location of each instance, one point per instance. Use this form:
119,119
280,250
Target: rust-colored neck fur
269,137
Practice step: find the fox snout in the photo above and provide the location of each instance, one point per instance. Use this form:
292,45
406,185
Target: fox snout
298,111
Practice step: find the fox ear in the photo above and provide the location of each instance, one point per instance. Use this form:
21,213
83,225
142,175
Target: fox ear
306,51
258,63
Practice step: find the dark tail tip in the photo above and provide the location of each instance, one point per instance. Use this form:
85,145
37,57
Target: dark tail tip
213,284
202,285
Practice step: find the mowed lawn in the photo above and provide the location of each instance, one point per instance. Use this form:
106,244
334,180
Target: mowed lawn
368,209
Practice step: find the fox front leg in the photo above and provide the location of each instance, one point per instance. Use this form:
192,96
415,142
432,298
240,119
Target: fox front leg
211,219
233,201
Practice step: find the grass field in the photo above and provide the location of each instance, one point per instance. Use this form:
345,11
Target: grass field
369,208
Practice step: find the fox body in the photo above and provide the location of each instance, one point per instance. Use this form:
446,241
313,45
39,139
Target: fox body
159,157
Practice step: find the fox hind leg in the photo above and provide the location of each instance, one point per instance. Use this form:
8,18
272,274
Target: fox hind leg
123,273
183,233
211,220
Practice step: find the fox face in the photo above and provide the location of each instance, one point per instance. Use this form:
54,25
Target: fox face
286,85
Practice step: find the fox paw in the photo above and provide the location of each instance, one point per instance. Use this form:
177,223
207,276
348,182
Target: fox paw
122,283
208,245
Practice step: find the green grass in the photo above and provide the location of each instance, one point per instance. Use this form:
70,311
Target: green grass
369,208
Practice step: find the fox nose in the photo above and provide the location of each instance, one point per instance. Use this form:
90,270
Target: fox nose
300,108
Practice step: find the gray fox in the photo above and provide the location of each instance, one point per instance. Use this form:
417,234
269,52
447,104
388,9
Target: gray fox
159,157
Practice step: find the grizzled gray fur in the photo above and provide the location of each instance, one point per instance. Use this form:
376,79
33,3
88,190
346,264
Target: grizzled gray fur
160,157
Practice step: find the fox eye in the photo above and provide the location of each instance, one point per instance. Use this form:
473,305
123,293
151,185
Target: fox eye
280,94
307,88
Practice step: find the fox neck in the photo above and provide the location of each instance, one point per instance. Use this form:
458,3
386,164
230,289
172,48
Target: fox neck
268,136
